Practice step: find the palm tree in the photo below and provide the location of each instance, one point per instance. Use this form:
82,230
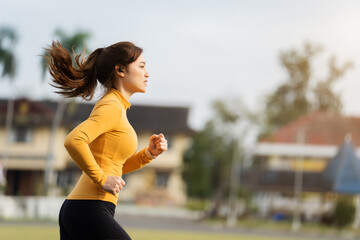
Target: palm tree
8,39
75,43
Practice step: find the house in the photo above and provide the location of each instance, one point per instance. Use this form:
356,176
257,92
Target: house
303,150
315,138
26,154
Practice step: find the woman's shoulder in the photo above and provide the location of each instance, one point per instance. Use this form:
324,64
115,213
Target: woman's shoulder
108,98
108,104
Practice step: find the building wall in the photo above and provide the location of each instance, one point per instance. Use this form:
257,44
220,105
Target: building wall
286,156
290,163
32,155
144,186
25,166
157,183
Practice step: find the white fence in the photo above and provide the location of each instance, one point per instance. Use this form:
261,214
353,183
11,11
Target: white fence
24,208
30,207
310,207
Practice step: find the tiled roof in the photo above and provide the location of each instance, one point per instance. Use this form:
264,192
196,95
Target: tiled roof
159,119
320,128
142,118
27,112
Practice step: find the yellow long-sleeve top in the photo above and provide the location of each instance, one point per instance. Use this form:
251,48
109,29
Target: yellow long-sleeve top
104,145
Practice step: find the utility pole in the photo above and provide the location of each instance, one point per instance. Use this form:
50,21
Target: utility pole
8,130
296,223
49,165
233,186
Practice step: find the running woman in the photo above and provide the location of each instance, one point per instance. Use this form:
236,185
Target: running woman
104,145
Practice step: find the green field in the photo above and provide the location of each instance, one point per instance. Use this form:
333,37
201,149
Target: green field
48,232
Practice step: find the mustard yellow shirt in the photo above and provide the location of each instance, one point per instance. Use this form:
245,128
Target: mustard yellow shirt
104,145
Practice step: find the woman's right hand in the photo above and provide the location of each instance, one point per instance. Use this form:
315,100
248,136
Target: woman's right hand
113,184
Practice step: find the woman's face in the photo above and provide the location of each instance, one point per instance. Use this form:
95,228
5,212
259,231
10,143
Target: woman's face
135,76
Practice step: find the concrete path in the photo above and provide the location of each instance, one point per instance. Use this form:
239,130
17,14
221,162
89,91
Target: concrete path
183,224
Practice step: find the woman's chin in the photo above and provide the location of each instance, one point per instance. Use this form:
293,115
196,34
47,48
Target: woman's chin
140,90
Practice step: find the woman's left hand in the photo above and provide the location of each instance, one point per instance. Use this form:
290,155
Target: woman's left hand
157,144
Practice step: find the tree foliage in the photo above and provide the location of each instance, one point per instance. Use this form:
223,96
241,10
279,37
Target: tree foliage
325,98
208,161
297,95
8,38
344,211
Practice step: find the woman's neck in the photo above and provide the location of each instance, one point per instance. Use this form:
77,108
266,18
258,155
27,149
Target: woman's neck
123,92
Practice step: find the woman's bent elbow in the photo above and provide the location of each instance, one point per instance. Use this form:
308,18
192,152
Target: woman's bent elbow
68,142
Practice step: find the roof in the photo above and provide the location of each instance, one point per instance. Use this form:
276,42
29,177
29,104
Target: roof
159,119
74,113
143,118
343,171
342,174
320,128
27,112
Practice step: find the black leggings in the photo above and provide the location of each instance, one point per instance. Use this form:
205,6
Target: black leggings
89,219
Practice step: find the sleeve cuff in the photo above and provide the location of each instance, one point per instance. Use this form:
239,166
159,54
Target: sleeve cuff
102,181
148,154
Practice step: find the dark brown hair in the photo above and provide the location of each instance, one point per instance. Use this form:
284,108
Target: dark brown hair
80,79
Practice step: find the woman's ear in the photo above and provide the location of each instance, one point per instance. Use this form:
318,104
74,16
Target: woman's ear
119,71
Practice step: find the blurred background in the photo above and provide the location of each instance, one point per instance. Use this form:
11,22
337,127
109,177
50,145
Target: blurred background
258,100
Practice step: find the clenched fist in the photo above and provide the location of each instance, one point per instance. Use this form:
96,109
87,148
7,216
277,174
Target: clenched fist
157,144
113,184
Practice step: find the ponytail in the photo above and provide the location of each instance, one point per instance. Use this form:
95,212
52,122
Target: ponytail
72,81
99,66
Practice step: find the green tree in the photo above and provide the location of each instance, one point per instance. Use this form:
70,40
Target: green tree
344,211
325,98
76,44
208,162
8,40
203,168
296,96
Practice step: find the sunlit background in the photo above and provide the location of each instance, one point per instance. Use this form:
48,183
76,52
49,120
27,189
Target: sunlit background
258,99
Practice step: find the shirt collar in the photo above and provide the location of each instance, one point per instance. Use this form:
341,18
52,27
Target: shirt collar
122,99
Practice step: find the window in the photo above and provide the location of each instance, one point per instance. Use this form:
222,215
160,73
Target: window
162,178
67,178
21,134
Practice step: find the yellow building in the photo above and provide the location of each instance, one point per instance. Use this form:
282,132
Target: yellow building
26,154
290,166
315,138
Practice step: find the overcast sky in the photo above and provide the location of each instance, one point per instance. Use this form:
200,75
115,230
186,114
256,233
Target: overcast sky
196,51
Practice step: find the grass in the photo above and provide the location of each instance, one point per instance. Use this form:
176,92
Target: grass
49,232
177,235
285,226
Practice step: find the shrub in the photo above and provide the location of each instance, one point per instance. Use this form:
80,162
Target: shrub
344,212
196,204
